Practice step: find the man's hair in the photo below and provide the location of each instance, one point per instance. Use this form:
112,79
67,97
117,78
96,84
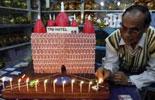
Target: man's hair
142,9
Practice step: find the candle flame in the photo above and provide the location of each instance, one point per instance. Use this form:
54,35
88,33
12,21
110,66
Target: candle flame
19,80
64,82
27,80
3,79
10,79
37,81
45,81
55,80
90,82
100,80
81,82
73,80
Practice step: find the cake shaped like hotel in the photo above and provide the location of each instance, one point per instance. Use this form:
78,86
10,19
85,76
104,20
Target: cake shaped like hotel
59,46
63,46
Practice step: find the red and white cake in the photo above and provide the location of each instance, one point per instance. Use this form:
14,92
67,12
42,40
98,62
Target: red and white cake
76,51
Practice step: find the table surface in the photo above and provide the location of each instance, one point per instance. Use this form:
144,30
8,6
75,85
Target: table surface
115,91
131,91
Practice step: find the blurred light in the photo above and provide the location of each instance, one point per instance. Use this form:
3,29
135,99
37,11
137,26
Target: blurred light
102,3
118,3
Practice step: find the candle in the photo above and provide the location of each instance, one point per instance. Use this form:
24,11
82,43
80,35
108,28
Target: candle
90,83
3,80
45,82
54,85
23,76
63,86
11,83
19,80
36,84
99,81
81,86
27,84
72,85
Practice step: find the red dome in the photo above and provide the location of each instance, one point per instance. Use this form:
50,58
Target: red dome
88,27
62,19
74,23
50,22
39,27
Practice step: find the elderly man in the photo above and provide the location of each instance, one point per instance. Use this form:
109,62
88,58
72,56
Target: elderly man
130,50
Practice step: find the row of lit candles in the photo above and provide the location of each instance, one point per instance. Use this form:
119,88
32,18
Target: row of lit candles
54,84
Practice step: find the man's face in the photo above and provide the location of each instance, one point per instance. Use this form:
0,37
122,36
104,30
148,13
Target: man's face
132,27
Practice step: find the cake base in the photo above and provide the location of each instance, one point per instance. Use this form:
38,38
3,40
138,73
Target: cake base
41,93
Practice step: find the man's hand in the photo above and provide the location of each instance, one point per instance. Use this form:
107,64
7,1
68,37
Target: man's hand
120,78
102,74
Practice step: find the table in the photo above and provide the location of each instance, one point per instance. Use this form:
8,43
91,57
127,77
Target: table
115,91
124,90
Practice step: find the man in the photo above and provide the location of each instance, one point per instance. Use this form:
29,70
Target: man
130,50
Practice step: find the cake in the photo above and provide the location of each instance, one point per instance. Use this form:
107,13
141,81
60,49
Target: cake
62,49
52,50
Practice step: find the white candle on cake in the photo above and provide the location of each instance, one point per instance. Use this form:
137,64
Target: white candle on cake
27,84
11,83
3,80
54,82
63,86
19,80
90,83
72,85
81,83
45,82
36,85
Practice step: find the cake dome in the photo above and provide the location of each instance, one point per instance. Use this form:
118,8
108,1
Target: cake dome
88,26
50,22
74,23
62,17
39,26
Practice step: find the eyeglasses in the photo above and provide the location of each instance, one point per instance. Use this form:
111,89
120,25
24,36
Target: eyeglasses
133,30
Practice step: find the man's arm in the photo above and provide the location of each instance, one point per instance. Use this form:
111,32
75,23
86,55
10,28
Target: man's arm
111,60
110,64
147,77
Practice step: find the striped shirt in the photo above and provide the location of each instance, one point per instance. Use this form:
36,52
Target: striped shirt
138,63
133,61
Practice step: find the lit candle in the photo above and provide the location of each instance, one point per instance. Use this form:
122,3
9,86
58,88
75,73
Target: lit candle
27,84
81,86
45,82
90,83
99,81
23,76
72,85
63,86
54,85
3,80
19,80
11,83
36,84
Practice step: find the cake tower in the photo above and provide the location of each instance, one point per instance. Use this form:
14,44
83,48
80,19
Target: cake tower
63,45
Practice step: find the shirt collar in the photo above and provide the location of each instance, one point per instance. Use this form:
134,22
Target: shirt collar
140,43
